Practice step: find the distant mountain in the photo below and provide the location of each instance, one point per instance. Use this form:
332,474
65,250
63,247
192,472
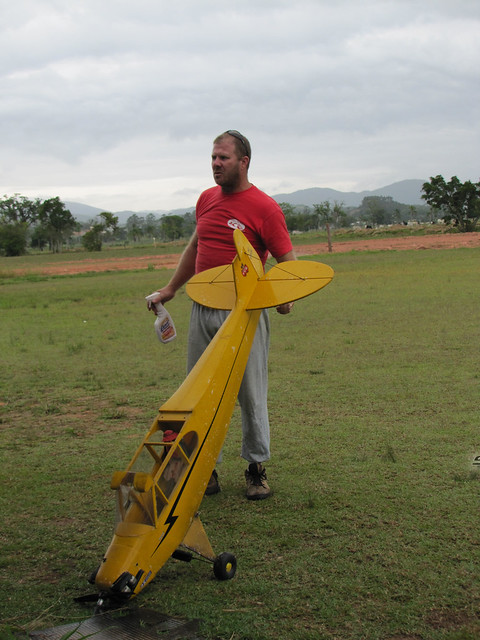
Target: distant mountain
82,212
404,192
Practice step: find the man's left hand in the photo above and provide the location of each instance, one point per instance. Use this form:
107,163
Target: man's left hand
285,308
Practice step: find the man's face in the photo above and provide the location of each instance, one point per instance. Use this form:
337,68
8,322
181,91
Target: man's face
228,169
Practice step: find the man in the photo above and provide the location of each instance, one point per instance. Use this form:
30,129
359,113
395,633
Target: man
235,203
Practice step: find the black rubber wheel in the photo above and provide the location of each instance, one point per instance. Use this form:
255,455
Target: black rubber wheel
224,566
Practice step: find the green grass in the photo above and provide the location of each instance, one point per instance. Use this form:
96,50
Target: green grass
372,532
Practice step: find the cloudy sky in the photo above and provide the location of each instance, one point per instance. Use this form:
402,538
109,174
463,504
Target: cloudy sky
115,103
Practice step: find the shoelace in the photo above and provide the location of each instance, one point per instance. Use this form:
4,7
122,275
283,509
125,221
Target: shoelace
258,478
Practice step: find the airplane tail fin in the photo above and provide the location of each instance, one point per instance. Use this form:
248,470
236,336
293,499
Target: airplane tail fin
247,268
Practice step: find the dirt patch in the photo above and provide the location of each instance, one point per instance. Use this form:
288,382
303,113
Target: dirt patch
170,261
72,267
444,241
404,637
449,619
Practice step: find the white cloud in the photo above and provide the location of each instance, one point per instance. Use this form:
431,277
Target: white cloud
117,104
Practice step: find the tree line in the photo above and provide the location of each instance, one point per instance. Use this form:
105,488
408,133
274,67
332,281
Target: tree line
39,224
374,211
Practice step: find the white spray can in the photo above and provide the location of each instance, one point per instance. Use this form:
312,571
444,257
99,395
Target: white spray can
163,322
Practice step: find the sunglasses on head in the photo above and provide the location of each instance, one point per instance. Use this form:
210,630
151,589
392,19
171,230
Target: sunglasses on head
244,141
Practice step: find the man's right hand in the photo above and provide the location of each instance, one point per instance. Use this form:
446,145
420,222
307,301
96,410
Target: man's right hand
184,271
162,295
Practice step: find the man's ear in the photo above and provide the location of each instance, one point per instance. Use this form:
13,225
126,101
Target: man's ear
245,162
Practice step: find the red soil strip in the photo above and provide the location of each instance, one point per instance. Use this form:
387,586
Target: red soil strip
170,261
445,241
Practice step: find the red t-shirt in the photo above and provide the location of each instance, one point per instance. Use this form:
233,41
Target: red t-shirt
257,215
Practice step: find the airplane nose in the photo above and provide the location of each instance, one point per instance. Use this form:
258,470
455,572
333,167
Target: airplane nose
118,559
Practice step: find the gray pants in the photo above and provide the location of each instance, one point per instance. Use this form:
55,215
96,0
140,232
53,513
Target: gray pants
204,324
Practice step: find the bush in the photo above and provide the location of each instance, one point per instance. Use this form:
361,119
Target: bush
92,240
13,239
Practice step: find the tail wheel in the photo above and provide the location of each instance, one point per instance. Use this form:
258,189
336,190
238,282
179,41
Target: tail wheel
224,566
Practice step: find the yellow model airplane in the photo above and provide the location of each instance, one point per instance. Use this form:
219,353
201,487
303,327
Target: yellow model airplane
159,493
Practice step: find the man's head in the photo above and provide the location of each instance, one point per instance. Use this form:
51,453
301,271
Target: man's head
242,145
230,161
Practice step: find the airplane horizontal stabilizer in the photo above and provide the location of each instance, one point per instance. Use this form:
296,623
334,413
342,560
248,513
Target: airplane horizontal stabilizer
285,282
213,288
289,281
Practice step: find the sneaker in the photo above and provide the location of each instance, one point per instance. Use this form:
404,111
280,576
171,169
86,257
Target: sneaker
256,478
213,485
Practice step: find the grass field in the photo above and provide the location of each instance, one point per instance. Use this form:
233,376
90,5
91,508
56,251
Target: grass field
372,532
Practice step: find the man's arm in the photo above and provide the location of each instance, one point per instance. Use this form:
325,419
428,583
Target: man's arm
287,256
288,306
184,271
